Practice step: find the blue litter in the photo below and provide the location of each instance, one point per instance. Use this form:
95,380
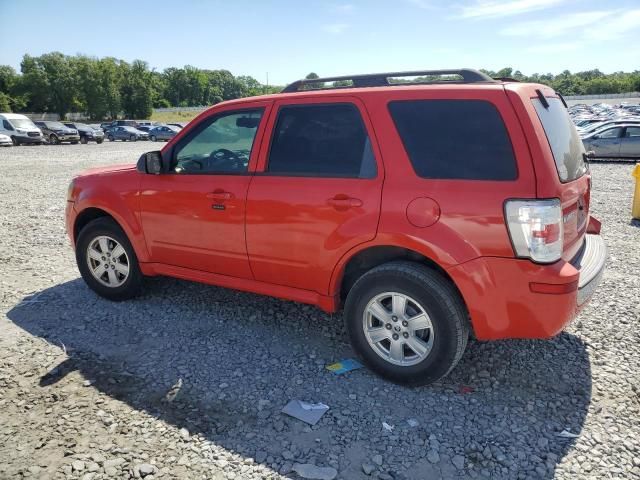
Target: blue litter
344,366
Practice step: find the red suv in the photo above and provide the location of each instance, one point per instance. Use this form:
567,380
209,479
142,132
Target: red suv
429,209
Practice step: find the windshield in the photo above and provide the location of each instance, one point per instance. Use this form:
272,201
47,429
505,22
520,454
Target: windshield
563,138
55,125
22,123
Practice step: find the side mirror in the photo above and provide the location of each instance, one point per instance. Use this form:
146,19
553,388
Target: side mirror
153,162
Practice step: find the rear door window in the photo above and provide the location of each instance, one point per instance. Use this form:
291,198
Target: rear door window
328,140
563,139
455,139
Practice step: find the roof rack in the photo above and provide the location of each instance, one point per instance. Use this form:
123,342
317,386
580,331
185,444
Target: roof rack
382,79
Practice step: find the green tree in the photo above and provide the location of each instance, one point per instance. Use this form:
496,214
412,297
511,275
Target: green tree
136,90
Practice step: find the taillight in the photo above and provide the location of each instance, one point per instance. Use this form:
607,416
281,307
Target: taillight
536,229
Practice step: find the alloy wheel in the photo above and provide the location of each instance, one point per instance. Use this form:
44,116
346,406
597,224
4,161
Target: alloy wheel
108,261
398,328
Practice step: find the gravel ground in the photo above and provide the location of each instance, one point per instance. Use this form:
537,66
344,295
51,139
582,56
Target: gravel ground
83,380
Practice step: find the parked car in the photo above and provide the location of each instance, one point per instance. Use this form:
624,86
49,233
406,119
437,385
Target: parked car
144,128
163,132
602,125
56,132
177,125
87,133
20,129
122,123
105,126
483,223
126,133
615,141
5,140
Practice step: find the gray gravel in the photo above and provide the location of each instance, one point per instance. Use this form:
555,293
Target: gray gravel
84,382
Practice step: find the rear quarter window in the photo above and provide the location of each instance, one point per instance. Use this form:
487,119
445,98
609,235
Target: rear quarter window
565,143
455,139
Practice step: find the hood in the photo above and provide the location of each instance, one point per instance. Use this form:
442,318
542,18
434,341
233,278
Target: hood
108,169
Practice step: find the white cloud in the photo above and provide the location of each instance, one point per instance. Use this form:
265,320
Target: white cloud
555,26
335,28
554,47
615,26
500,8
343,8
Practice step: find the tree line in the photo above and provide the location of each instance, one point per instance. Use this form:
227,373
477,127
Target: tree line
108,87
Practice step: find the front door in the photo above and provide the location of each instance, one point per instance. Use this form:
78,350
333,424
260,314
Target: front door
316,193
608,143
193,216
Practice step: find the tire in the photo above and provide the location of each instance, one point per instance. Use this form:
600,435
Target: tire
99,141
15,141
133,138
53,140
74,142
152,138
110,137
83,140
425,289
88,238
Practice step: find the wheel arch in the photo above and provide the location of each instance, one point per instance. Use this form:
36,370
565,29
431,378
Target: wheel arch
353,266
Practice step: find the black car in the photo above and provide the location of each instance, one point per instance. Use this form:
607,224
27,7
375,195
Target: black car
87,133
56,132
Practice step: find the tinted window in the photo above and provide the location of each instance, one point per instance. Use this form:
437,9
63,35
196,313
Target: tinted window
633,132
221,145
563,138
455,139
7,125
321,140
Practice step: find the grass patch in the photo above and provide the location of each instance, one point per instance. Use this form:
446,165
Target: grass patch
178,116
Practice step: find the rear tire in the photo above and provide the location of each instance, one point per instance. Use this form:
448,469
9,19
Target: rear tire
109,279
430,300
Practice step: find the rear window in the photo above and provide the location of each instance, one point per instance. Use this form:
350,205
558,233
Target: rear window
563,138
455,139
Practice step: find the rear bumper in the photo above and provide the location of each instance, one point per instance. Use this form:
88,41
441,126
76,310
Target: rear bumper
514,298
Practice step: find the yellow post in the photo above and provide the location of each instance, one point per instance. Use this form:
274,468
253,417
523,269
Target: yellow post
635,209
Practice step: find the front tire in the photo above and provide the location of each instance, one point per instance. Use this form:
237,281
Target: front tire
407,322
153,138
83,140
111,139
15,141
53,140
99,141
133,138
107,261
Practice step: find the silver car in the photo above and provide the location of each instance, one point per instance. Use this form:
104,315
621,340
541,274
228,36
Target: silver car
163,132
620,141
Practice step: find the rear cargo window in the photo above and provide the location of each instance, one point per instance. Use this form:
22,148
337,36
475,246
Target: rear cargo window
563,138
455,139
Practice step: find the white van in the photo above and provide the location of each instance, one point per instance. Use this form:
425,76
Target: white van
20,129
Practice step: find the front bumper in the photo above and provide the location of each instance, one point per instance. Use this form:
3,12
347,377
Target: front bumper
514,298
68,138
27,139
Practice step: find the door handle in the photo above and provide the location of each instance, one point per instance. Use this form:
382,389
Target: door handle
220,195
343,202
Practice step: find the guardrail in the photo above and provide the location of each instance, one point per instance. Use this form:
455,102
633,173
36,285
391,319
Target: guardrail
603,96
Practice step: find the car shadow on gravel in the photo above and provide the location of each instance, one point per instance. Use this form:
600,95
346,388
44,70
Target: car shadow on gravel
241,357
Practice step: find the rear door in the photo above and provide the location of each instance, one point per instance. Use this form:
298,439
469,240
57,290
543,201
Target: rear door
317,191
630,142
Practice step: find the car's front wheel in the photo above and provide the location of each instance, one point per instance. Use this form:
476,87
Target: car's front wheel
407,322
15,141
107,261
110,137
133,138
83,140
99,141
152,138
54,140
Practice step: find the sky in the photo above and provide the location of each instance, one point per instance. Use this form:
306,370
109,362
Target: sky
288,39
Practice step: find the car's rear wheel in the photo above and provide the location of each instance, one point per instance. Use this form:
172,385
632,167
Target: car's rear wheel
133,138
110,137
107,261
84,140
407,322
54,140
